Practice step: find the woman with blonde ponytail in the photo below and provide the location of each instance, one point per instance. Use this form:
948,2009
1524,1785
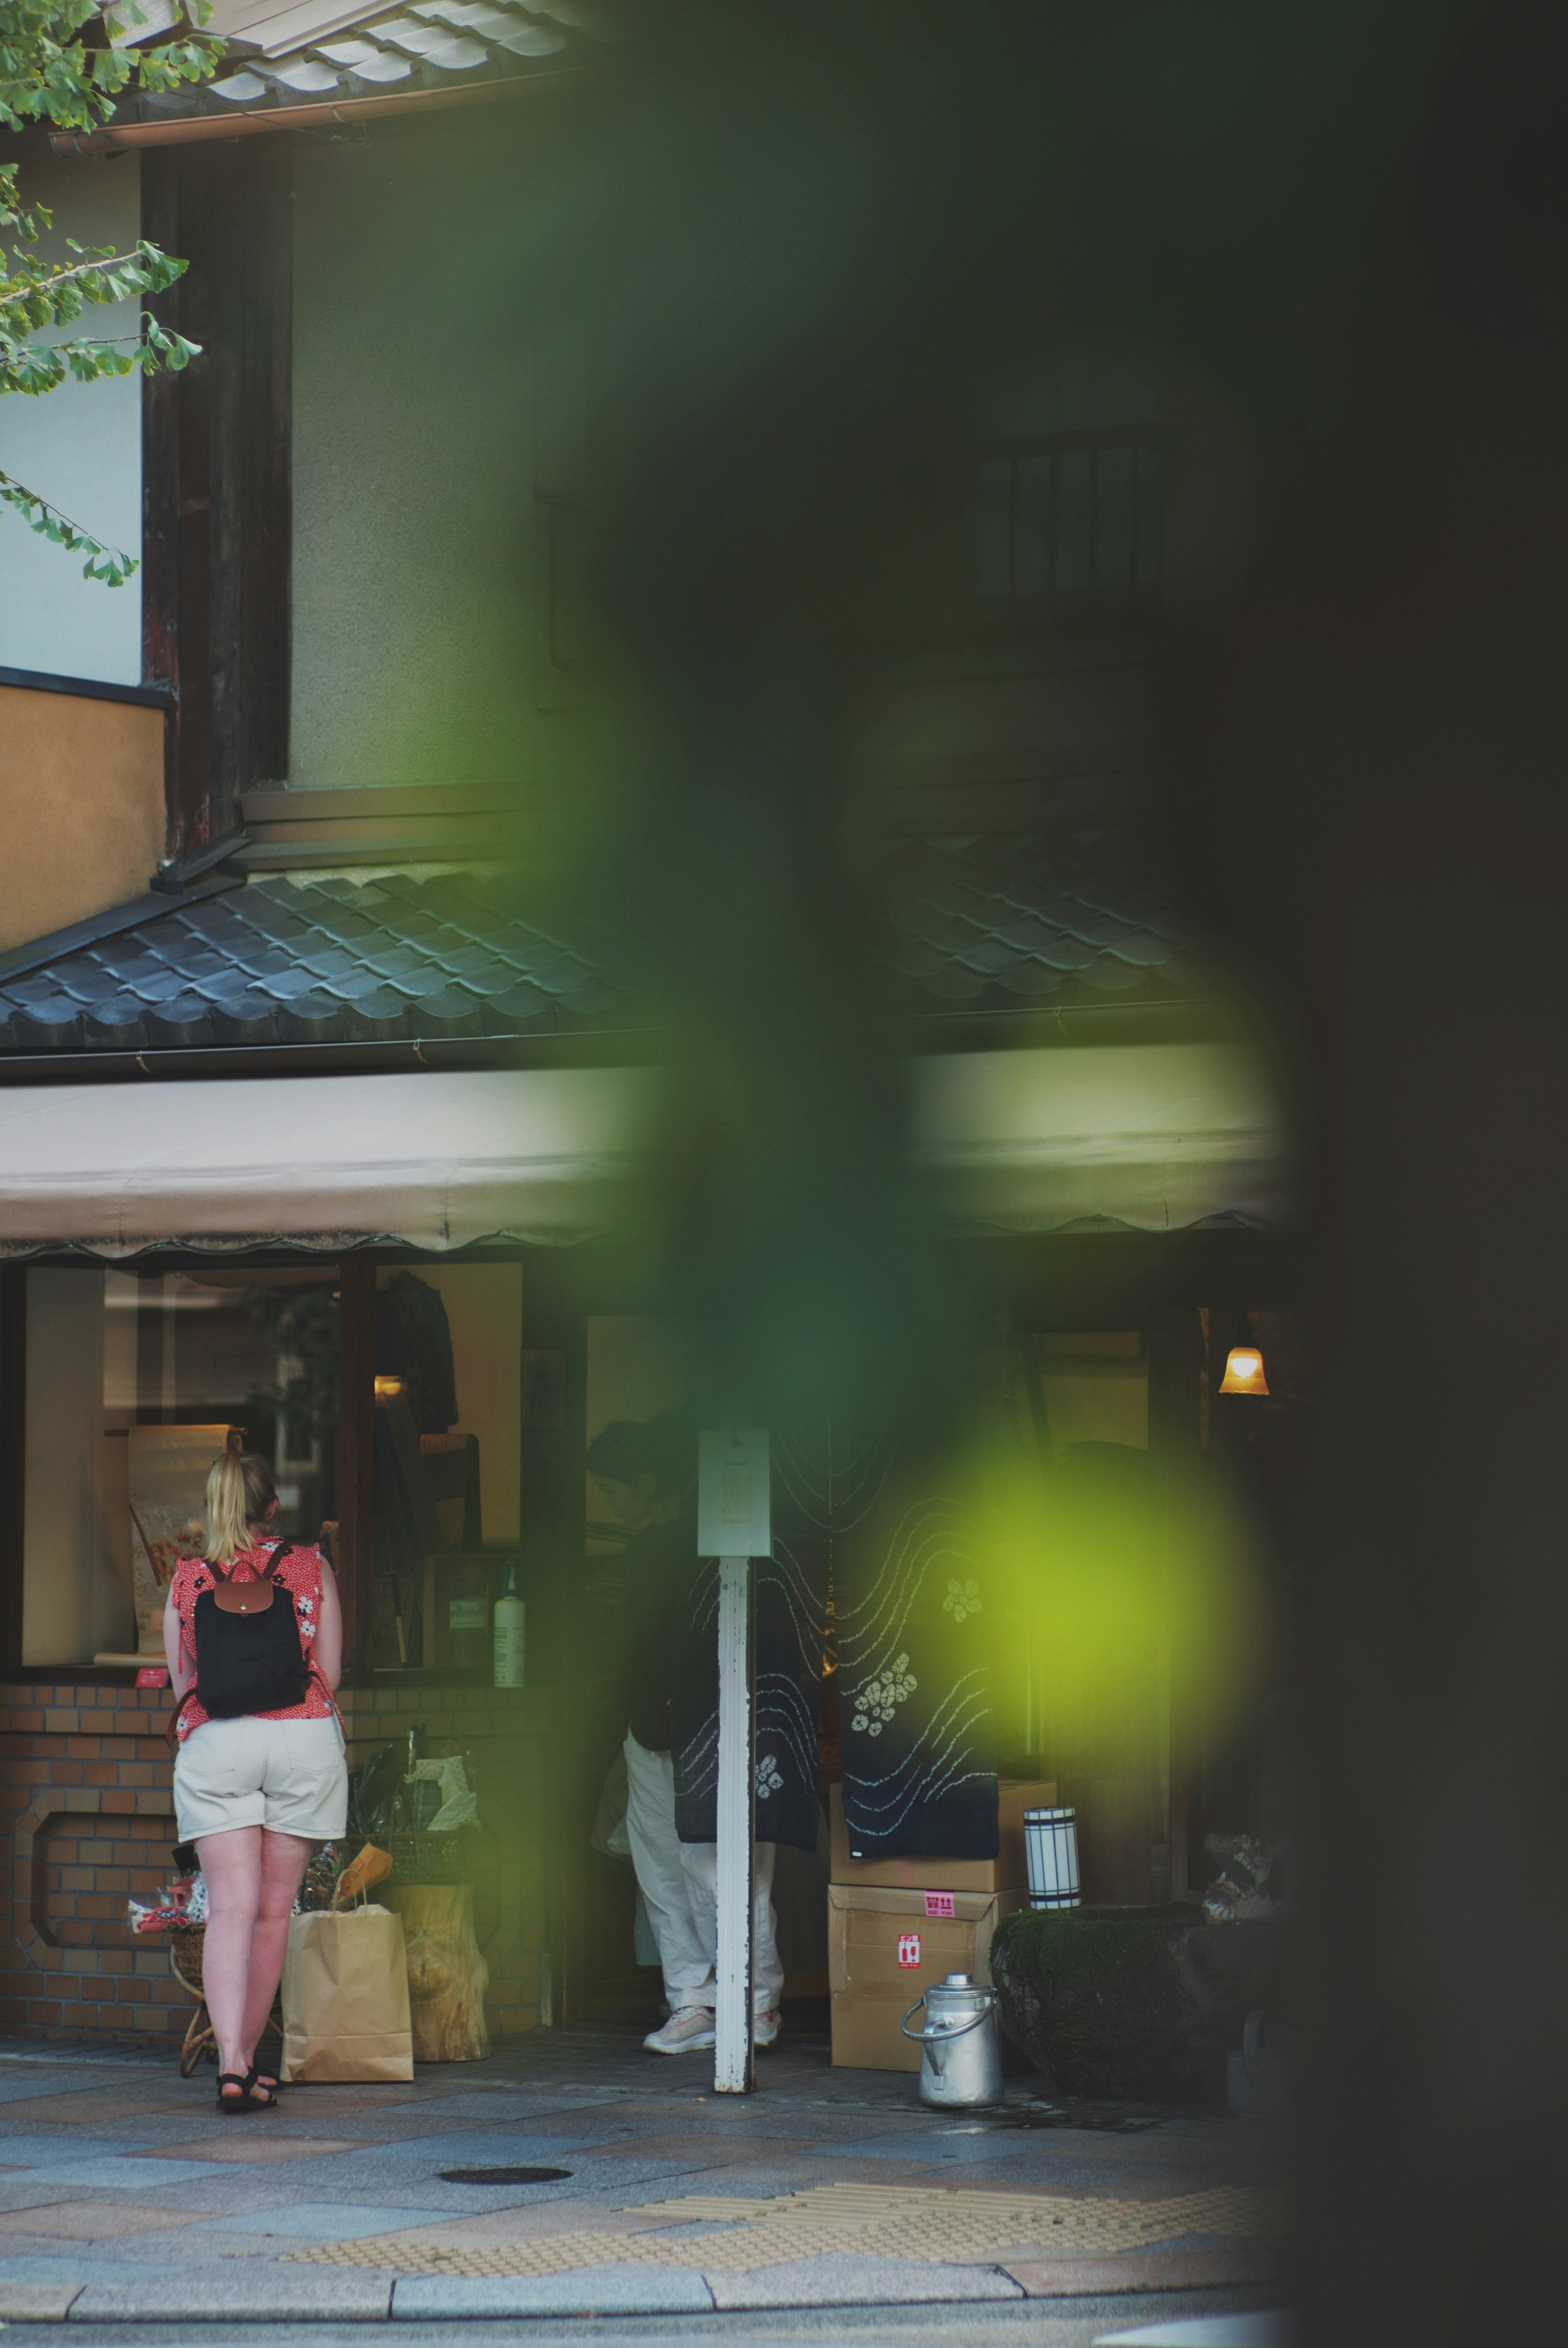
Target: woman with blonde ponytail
254,1638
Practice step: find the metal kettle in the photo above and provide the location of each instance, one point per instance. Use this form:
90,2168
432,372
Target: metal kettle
960,2061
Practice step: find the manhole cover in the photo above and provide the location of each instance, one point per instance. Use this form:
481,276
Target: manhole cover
503,2175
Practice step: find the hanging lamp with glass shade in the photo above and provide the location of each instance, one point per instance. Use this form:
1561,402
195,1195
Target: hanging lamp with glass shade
1243,1371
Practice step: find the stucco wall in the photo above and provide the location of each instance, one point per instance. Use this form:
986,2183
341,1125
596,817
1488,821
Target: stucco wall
416,531
80,447
81,806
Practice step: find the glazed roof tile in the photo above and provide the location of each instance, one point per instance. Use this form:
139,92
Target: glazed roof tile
975,927
283,54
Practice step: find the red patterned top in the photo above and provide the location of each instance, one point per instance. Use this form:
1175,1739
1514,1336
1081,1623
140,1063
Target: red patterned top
301,1574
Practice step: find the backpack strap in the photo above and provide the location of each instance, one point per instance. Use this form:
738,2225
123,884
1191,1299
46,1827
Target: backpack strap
219,1573
285,1548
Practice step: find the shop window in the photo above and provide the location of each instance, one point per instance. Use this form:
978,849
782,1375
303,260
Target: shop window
448,1461
134,1383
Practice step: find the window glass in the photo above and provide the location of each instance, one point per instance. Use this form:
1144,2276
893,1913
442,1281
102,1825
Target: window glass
135,1382
448,1460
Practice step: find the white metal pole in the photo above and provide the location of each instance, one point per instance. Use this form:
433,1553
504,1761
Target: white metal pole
734,2059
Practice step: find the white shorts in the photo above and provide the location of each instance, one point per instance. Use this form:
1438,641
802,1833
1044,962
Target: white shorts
288,1774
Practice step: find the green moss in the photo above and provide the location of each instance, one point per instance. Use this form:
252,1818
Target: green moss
1070,1949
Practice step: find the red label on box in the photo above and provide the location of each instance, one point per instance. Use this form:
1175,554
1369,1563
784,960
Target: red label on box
939,1903
152,1677
908,1951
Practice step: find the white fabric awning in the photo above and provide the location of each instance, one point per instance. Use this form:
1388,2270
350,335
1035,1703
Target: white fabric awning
1152,1137
1156,1137
436,1161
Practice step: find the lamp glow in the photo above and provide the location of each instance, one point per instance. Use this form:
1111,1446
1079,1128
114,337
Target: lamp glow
1243,1371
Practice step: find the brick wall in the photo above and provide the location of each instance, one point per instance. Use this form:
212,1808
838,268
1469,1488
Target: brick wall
86,1798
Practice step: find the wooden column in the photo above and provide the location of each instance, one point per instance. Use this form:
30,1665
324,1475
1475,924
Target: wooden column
356,1449
13,1458
552,1539
216,495
1175,1352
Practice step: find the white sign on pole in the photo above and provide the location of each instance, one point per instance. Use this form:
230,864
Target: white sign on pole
734,1524
734,1513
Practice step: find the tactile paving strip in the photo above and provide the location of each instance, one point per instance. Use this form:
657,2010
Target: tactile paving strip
876,2221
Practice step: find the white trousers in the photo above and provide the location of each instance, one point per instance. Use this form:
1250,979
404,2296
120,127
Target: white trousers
679,1881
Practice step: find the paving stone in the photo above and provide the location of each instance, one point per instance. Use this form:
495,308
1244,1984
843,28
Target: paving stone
479,2104
93,2221
35,2302
1147,2270
94,2107
139,2174
251,2149
278,2294
21,2151
26,2192
1268,2329
329,2221
616,2289
844,2278
463,2147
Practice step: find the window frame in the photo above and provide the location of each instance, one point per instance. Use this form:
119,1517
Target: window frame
1013,610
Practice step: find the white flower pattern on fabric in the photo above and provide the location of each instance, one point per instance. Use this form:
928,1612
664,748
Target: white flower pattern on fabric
879,1699
963,1599
768,1778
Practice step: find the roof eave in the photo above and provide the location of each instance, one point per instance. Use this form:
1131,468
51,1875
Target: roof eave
177,130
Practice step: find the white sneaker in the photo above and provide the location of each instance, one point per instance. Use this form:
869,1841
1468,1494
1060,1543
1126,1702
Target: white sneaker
765,2028
689,2029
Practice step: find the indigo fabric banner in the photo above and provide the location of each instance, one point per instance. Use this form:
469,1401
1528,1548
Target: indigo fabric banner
916,1734
790,1619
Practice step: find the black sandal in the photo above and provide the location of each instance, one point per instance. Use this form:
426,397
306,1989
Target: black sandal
239,2103
261,2094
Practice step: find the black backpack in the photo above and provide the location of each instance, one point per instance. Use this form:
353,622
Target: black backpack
249,1653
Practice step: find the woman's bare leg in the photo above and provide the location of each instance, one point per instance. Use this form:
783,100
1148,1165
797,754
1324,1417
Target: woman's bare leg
231,1869
282,1863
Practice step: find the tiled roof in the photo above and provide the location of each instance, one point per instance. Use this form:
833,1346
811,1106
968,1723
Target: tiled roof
335,962
972,927
283,54
1002,925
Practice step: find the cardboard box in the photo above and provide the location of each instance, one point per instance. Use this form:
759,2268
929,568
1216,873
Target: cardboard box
1008,1871
885,1946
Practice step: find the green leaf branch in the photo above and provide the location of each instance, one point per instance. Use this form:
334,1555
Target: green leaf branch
65,62
104,563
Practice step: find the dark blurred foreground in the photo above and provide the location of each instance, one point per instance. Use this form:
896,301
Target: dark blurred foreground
818,222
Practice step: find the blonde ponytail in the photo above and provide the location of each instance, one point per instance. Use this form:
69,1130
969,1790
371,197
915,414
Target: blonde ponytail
239,1491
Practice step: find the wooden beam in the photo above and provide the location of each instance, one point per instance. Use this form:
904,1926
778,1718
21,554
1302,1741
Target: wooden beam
160,400
266,445
13,1458
356,1451
216,495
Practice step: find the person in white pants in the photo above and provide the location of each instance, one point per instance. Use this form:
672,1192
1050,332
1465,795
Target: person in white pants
645,1470
679,1882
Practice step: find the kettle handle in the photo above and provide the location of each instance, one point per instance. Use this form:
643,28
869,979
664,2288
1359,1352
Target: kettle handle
938,2033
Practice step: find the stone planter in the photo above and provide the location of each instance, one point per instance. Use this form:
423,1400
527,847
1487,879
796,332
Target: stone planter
1139,2003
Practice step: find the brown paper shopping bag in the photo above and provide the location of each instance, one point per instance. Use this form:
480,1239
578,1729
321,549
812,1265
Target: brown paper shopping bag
346,1997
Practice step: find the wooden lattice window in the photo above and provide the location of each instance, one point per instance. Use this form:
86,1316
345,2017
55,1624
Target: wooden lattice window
1067,523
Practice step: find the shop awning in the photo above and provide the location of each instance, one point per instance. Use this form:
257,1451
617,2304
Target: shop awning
1155,1138
436,1161
1150,1138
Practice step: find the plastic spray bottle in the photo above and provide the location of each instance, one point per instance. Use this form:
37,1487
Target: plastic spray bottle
507,1639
